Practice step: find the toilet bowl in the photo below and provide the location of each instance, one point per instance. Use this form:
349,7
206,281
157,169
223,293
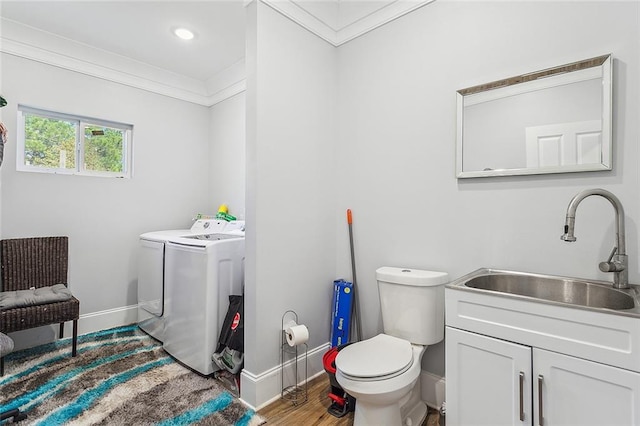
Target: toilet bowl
382,372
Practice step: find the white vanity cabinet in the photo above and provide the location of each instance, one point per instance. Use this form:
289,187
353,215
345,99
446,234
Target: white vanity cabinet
574,391
488,380
495,382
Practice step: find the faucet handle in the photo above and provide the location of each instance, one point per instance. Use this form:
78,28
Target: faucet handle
613,251
609,266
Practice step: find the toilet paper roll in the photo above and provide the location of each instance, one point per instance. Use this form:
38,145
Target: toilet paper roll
297,335
287,325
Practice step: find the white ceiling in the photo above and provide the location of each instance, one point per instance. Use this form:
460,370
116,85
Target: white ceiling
131,42
141,30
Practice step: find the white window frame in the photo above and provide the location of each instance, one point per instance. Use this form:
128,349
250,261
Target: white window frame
81,123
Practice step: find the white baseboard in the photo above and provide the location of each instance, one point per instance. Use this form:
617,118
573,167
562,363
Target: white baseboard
102,320
433,389
259,390
87,323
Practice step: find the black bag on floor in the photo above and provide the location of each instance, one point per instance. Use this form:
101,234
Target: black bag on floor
229,354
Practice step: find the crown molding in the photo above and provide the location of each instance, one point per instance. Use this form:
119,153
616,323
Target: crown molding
329,26
378,18
230,80
227,92
48,57
36,45
296,13
323,19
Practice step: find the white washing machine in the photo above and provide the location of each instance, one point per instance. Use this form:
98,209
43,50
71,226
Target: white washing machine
151,272
201,271
151,280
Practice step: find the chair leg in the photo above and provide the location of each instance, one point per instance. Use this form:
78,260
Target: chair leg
61,335
75,338
17,415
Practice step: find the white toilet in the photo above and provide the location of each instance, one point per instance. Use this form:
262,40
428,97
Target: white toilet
382,372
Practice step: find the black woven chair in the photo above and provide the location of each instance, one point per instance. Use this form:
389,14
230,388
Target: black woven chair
36,262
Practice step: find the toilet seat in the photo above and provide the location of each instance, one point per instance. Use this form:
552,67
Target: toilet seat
379,358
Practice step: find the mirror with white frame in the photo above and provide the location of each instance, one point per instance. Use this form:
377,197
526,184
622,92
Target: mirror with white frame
556,120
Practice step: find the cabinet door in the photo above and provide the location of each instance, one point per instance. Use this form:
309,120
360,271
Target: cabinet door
488,380
573,391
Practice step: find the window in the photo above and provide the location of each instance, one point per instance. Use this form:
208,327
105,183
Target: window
61,143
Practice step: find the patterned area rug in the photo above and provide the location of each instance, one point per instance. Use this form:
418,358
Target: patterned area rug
120,376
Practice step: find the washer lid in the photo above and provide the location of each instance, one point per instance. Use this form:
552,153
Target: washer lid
382,355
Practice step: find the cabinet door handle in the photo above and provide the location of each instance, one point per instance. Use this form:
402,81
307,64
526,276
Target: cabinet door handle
540,410
521,396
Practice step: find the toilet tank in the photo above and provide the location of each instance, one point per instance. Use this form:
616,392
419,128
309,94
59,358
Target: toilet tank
412,303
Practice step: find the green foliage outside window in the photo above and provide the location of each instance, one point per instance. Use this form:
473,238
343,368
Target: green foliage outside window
103,149
52,143
49,142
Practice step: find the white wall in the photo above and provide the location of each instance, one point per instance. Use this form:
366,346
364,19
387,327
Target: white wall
291,88
103,216
227,168
396,144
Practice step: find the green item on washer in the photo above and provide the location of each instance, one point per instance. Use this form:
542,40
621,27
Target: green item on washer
225,216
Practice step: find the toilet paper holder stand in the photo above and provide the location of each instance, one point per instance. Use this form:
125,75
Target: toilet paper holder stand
292,359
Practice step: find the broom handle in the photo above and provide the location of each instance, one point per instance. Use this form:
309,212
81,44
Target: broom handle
355,308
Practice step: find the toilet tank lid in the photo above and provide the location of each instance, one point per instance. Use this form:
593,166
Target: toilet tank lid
408,276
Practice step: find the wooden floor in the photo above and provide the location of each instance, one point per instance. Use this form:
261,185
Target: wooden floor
314,411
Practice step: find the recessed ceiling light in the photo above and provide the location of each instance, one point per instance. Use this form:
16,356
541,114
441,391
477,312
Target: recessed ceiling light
183,33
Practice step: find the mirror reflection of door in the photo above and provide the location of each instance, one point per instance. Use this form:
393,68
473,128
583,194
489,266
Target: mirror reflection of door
564,144
551,121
